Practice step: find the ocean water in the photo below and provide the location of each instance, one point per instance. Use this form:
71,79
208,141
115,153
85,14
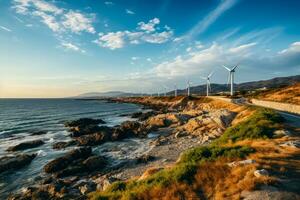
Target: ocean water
20,117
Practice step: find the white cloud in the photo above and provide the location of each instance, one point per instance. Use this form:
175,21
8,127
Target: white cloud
216,55
134,58
49,20
73,47
57,19
5,28
77,22
23,6
188,49
109,3
150,26
130,12
149,59
112,40
116,40
293,48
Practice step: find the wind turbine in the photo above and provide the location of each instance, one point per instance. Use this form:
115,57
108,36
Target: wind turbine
231,77
165,90
175,90
208,88
188,88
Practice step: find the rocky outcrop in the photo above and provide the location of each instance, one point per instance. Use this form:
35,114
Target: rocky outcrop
63,162
77,161
83,122
63,145
26,145
210,125
15,162
164,120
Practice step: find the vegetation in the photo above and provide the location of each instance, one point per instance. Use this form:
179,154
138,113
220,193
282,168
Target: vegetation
201,171
260,125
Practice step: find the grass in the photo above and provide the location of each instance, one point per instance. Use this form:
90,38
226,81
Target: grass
202,171
261,124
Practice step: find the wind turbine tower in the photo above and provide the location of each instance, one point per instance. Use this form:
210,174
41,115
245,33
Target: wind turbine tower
208,88
188,88
231,78
175,90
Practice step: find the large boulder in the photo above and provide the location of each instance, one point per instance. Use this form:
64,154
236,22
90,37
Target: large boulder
93,163
84,122
15,162
164,120
63,145
64,161
26,145
93,139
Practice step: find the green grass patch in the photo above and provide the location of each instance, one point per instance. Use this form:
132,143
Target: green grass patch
260,125
182,172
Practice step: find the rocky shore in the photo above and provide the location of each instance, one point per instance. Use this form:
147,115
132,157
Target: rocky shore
172,125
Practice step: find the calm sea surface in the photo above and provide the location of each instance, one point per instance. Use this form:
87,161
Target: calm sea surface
20,117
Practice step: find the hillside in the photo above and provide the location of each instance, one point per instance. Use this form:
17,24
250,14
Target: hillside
289,94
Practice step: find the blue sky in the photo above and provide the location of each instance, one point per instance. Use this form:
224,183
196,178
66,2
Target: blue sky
62,47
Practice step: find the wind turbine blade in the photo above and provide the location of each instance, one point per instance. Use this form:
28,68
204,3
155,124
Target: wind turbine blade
226,67
211,74
234,67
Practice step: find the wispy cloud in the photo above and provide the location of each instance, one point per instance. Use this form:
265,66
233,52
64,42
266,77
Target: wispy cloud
108,3
203,24
70,46
5,28
130,12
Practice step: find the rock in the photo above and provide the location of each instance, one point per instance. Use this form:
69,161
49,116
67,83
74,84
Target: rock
93,163
89,129
104,182
294,144
136,114
180,134
87,188
84,122
146,115
260,173
282,133
38,133
93,139
15,162
150,172
145,158
243,162
63,145
26,145
159,141
64,161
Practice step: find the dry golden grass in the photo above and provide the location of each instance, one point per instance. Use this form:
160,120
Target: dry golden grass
290,94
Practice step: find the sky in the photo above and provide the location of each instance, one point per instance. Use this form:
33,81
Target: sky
61,48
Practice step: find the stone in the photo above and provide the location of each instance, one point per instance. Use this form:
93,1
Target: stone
282,133
15,162
84,122
180,134
26,145
243,162
95,163
145,158
104,182
64,161
38,133
63,145
261,173
294,144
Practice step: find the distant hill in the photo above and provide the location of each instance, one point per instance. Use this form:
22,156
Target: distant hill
253,85
216,88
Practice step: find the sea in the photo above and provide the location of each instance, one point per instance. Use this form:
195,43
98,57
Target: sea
19,118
